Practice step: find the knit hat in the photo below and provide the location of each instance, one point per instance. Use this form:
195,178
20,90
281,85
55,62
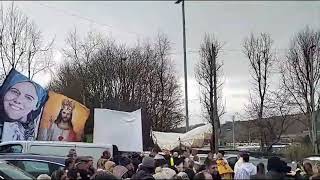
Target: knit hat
148,162
183,175
119,171
158,156
165,173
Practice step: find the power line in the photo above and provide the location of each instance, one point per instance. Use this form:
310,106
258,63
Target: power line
84,18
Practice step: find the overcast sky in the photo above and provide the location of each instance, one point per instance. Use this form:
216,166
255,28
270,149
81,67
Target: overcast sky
231,22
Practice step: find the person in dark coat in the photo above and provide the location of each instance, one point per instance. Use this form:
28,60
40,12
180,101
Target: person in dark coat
146,169
277,169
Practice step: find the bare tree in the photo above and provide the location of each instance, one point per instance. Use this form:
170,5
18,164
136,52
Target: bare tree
301,74
118,77
21,44
207,75
259,53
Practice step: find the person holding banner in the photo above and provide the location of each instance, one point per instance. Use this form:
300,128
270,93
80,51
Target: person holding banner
21,101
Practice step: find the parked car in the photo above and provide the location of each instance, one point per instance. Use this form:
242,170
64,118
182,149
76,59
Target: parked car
56,148
34,164
8,171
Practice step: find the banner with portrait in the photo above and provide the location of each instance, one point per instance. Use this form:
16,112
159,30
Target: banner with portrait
63,119
20,108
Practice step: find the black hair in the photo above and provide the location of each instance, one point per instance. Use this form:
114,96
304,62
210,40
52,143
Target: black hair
222,152
59,119
104,175
179,161
260,168
57,174
245,157
199,176
123,161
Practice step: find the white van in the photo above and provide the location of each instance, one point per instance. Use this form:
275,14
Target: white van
56,148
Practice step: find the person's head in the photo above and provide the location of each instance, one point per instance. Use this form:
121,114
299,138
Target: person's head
308,168
318,167
57,174
175,154
212,167
109,166
147,164
245,157
101,175
261,169
160,161
210,156
65,114
20,100
43,177
183,176
196,158
106,154
179,164
219,156
222,152
120,172
126,162
202,175
72,154
84,162
190,163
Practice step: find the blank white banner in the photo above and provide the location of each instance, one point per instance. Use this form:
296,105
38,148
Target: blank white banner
123,129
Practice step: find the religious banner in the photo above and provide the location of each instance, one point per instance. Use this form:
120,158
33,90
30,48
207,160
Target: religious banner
20,108
63,119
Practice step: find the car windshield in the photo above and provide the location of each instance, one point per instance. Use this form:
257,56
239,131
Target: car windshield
13,172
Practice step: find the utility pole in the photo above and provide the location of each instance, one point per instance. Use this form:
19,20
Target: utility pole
233,139
185,64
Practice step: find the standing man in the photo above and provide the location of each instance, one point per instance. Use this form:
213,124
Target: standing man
246,169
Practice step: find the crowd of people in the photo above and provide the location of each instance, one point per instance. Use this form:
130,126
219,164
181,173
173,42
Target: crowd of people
182,166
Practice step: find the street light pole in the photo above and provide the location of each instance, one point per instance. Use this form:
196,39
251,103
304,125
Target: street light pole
185,64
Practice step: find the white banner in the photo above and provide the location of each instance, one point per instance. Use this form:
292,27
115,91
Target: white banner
123,129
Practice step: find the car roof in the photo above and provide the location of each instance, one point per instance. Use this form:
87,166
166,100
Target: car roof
27,156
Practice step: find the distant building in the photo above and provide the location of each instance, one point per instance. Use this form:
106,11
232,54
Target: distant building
248,132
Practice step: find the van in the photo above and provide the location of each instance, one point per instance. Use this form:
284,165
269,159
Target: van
56,148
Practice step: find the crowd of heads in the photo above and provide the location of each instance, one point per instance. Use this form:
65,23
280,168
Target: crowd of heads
174,165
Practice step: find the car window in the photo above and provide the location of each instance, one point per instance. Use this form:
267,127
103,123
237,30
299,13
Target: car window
57,150
11,148
36,168
11,172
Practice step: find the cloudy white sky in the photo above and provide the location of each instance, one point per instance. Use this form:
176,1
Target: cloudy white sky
229,21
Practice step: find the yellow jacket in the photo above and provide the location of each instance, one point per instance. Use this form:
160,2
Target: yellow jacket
224,167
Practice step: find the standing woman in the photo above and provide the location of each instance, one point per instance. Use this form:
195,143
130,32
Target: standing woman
21,101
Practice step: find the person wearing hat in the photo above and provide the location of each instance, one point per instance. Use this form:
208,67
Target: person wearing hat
164,173
146,169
